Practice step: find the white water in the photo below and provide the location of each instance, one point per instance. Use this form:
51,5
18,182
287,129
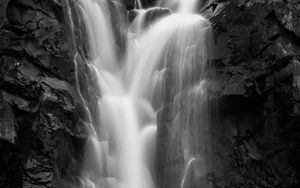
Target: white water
132,91
186,6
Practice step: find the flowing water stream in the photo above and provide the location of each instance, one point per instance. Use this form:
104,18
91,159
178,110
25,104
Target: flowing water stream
121,147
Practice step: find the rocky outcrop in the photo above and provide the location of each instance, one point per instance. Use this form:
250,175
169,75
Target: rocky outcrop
150,17
256,141
42,129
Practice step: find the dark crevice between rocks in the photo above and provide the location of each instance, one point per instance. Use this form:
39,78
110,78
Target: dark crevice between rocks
291,36
10,165
235,104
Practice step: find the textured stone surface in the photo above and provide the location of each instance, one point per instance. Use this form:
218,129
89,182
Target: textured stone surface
41,123
256,141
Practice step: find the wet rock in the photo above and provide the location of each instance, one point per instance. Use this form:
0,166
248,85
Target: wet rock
289,15
130,4
45,37
37,172
132,14
256,48
148,3
154,14
3,6
151,16
296,86
42,124
8,123
20,103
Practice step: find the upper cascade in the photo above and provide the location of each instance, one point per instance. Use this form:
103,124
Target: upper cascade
183,6
187,5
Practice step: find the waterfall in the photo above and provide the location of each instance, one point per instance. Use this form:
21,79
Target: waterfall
120,151
138,4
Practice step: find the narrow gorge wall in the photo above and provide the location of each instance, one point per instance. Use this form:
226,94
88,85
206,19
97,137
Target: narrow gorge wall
256,142
42,129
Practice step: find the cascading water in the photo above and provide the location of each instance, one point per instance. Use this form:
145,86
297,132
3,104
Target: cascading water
138,4
120,149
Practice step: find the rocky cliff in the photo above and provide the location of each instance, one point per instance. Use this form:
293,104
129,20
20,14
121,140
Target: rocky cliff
257,59
42,129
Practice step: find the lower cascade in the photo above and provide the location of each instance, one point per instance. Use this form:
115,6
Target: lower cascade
163,68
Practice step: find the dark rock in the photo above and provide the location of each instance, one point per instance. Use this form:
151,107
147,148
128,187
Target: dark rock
148,3
257,47
8,123
42,121
3,7
132,14
156,13
44,35
289,15
10,165
130,4
151,16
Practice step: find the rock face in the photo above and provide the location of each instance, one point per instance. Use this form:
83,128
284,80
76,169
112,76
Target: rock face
42,129
256,141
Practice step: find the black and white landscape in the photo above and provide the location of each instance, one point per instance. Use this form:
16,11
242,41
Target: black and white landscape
149,93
